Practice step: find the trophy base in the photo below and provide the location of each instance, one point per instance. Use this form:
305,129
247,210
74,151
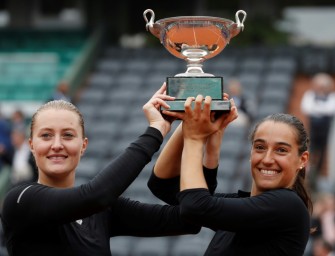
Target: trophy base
194,75
183,87
216,105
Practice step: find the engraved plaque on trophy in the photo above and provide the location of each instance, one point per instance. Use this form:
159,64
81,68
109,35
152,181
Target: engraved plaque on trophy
195,39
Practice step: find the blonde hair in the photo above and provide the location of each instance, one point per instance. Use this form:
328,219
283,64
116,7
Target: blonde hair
60,105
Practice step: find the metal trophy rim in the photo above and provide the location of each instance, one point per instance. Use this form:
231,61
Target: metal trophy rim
195,18
238,22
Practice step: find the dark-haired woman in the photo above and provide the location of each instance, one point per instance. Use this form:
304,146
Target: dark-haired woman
272,219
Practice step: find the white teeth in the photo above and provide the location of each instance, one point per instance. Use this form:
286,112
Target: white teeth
268,172
56,157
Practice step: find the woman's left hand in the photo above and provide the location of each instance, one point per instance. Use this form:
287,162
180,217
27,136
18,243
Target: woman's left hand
152,111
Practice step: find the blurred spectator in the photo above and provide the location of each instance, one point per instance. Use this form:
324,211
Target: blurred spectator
322,248
61,92
330,158
323,220
18,120
318,104
6,149
246,108
328,218
22,169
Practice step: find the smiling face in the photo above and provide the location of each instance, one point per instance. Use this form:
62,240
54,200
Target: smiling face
57,144
275,158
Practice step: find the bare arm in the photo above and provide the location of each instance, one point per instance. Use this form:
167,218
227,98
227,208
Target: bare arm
197,126
191,165
169,160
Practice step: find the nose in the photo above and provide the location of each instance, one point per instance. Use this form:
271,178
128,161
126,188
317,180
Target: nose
57,143
268,157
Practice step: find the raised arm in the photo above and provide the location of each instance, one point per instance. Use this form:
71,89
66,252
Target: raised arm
164,183
201,133
37,203
214,141
168,163
197,126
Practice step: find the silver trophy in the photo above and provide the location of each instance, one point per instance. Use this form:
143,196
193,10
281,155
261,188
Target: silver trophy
195,39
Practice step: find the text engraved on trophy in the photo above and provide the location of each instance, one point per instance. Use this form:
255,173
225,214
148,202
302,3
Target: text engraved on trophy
182,88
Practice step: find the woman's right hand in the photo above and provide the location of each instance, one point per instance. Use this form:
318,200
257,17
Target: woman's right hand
198,123
152,110
214,140
213,144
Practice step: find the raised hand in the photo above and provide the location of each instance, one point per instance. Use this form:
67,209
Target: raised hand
198,121
152,110
213,144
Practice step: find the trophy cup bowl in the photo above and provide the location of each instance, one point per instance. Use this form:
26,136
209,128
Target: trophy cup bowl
195,39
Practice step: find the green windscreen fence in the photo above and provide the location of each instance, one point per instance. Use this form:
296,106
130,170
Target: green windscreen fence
33,62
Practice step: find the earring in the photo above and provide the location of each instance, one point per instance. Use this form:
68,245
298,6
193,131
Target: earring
301,167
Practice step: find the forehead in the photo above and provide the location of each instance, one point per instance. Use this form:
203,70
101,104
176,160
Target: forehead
275,132
57,118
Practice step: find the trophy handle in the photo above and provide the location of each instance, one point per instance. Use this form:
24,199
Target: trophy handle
150,25
237,26
237,18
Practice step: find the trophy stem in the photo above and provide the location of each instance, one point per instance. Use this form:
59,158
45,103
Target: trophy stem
194,69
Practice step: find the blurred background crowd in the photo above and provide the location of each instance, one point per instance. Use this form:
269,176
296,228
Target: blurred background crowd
98,55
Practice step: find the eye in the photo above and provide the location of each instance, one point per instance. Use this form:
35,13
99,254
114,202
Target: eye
68,135
259,147
46,135
281,150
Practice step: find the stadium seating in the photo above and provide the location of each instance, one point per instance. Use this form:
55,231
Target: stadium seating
32,62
